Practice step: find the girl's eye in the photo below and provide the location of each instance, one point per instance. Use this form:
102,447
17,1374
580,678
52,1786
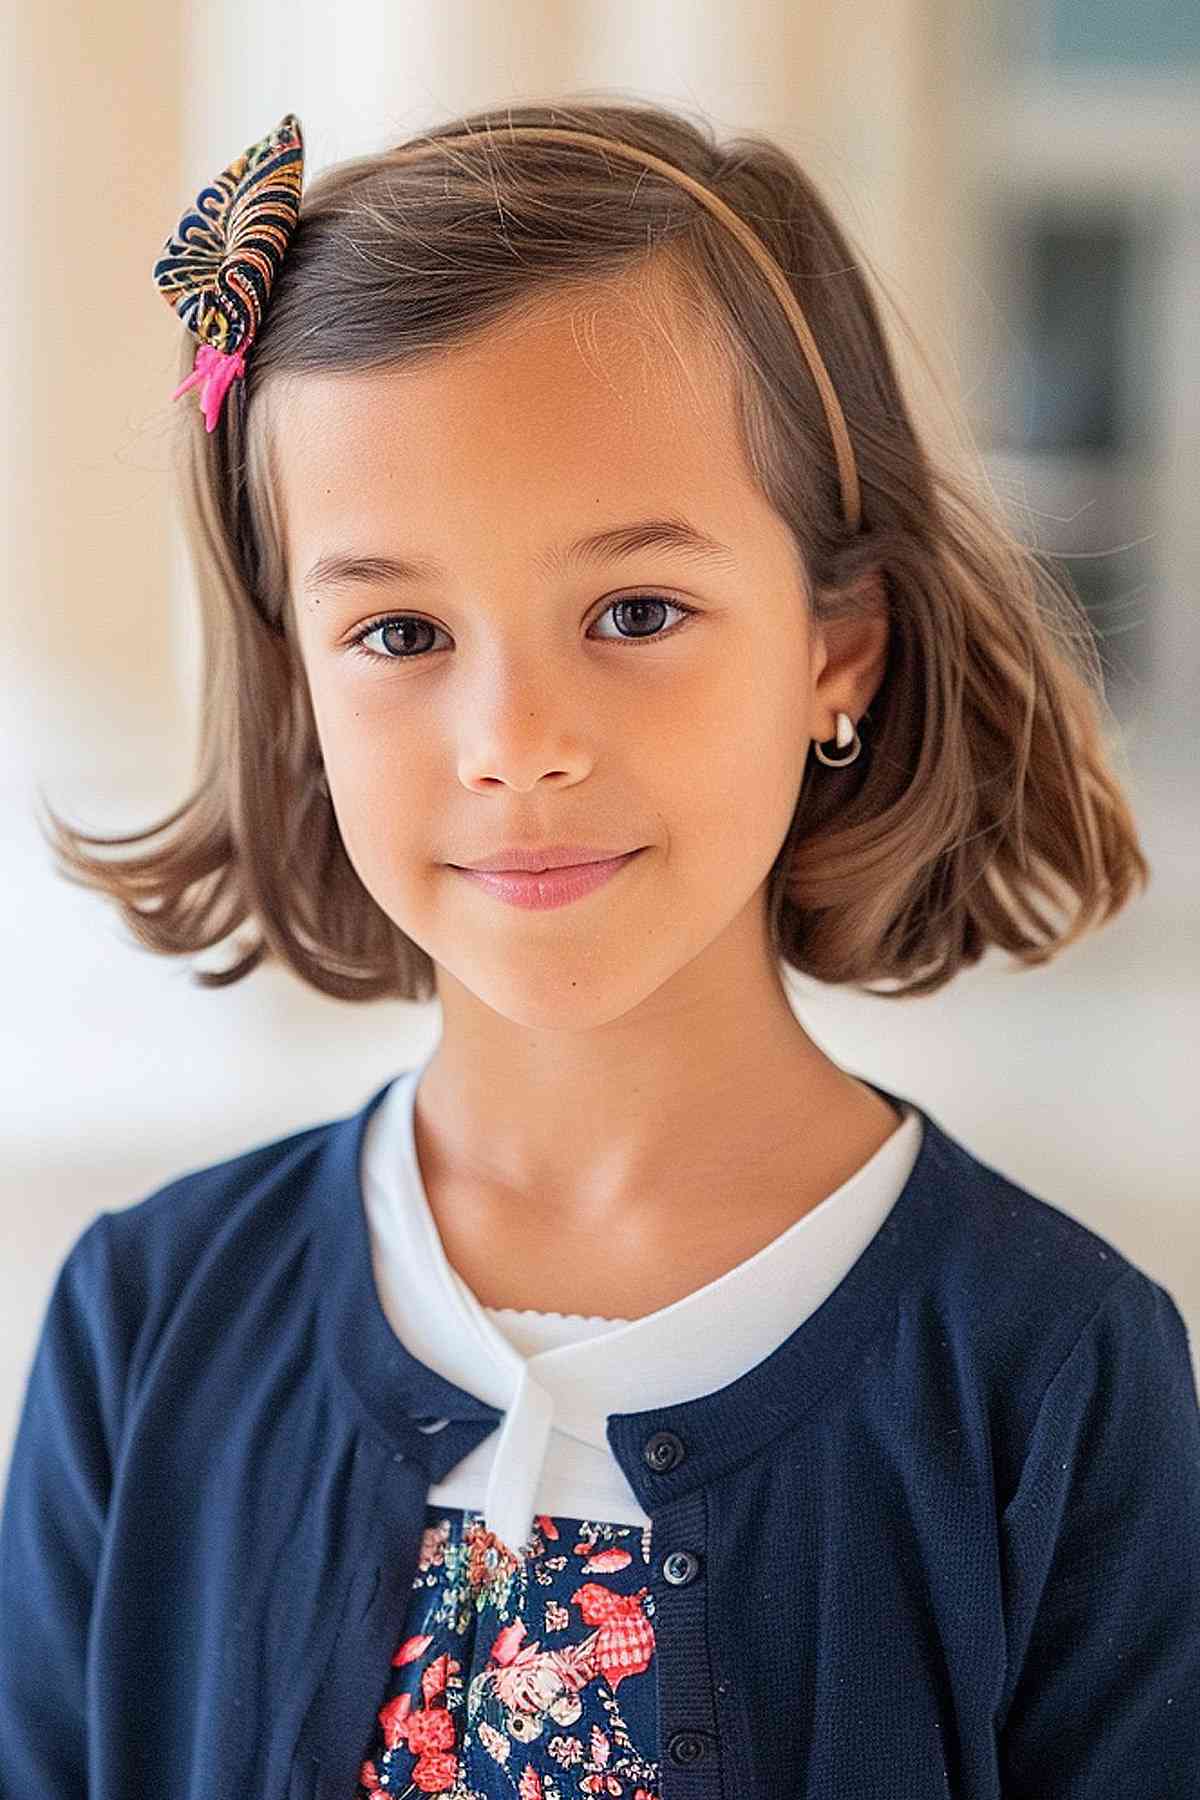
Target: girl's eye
639,612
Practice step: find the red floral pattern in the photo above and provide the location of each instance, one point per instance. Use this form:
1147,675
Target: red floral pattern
505,1682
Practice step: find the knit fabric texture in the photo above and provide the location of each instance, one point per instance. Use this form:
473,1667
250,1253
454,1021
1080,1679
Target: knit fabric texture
943,1540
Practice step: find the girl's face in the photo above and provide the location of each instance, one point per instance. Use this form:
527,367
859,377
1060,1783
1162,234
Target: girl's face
516,697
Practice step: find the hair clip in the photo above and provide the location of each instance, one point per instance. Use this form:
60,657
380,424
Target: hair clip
217,268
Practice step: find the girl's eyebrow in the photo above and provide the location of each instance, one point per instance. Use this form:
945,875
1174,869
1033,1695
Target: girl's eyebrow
340,569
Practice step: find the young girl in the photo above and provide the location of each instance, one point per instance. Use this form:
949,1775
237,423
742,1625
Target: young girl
627,1400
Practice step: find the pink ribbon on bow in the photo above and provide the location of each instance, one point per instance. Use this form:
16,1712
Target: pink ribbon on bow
216,370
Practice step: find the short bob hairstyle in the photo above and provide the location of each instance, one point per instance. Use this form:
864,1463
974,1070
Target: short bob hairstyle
983,785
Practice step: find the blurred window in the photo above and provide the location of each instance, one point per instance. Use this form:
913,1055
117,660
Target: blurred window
1073,275
1149,34
1079,274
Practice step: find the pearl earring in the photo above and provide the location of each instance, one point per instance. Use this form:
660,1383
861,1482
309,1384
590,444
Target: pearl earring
846,732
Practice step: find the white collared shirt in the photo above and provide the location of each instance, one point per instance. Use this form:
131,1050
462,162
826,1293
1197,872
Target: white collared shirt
558,1376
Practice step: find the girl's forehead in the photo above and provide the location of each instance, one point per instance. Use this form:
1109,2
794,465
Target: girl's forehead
607,364
511,423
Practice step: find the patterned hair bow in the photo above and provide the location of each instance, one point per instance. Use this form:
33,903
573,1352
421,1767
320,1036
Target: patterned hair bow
217,268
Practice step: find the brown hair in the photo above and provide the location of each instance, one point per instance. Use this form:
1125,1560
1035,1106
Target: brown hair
983,785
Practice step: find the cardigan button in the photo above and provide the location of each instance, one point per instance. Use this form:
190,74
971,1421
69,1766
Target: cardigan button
430,1425
687,1747
662,1451
680,1567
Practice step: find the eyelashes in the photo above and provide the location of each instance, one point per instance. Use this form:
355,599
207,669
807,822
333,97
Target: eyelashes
359,646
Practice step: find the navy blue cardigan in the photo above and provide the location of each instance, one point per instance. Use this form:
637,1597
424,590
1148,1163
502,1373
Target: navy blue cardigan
948,1532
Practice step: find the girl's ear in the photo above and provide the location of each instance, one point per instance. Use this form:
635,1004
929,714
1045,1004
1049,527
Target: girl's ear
851,653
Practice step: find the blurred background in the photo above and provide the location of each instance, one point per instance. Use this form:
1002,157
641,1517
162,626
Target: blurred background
1024,176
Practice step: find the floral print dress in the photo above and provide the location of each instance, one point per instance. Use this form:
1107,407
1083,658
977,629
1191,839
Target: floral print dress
526,1676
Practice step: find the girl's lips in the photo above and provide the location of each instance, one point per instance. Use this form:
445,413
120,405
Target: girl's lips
550,887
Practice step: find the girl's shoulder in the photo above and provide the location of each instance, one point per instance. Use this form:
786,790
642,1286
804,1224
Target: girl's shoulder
257,1204
1019,1286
